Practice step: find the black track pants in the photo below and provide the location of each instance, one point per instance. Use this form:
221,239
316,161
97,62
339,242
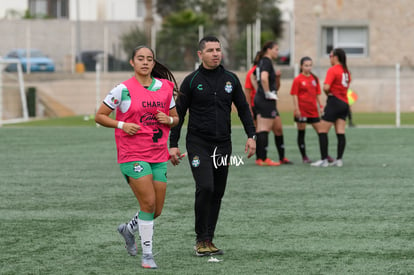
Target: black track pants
210,175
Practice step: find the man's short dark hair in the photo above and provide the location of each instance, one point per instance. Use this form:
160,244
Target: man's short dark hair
204,40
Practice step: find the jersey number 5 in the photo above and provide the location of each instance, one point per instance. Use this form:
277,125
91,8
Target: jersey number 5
345,80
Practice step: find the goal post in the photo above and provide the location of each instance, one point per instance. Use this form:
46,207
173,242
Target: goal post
22,112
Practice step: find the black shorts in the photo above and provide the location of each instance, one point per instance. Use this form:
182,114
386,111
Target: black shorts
265,108
309,120
335,109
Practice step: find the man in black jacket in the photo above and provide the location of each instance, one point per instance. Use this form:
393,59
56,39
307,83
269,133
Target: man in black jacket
208,94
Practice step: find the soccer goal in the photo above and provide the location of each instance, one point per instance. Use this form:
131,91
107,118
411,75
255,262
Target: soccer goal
13,105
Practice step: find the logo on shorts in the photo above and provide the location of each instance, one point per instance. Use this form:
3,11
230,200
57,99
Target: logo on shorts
228,88
138,168
200,87
195,162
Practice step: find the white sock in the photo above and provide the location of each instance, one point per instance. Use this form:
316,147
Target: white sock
133,224
146,230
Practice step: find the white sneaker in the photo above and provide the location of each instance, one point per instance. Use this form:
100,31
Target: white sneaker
320,163
337,163
147,261
271,95
130,245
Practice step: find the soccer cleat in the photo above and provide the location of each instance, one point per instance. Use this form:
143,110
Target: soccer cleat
271,95
269,162
266,162
213,249
130,245
285,161
337,163
202,248
306,160
320,163
330,159
259,162
147,261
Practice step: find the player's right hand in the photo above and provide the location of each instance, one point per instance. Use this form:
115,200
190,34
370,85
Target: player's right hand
131,128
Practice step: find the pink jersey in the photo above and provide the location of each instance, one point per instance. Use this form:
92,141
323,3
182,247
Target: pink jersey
150,142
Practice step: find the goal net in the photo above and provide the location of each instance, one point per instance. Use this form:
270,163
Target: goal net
13,105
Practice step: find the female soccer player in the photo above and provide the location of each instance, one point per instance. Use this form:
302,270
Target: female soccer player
250,87
336,110
145,112
306,92
268,118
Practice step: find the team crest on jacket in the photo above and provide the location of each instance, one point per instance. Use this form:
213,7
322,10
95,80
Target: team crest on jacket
195,162
228,88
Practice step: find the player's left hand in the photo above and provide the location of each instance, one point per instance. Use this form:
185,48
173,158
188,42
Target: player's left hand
162,117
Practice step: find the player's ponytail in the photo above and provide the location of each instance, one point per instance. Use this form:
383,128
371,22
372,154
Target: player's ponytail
340,53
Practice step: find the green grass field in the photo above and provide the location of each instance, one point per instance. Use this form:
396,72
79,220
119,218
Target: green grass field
376,119
62,197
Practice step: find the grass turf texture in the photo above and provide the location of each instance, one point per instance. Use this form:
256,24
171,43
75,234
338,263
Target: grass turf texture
62,197
360,119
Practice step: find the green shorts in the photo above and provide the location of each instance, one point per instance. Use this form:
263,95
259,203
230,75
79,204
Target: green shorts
138,169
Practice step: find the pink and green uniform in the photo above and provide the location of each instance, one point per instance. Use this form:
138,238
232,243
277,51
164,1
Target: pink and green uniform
137,104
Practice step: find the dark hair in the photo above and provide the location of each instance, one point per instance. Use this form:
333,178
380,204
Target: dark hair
307,58
204,40
267,45
340,53
159,70
256,58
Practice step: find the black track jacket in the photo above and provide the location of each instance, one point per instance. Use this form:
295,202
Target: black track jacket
208,95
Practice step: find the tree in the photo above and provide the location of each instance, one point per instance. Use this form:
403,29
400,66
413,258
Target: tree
269,13
227,19
131,39
271,18
167,7
178,39
148,20
232,29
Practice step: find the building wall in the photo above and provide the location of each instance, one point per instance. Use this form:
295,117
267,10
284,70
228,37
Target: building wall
391,28
58,38
390,41
113,10
89,10
6,6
